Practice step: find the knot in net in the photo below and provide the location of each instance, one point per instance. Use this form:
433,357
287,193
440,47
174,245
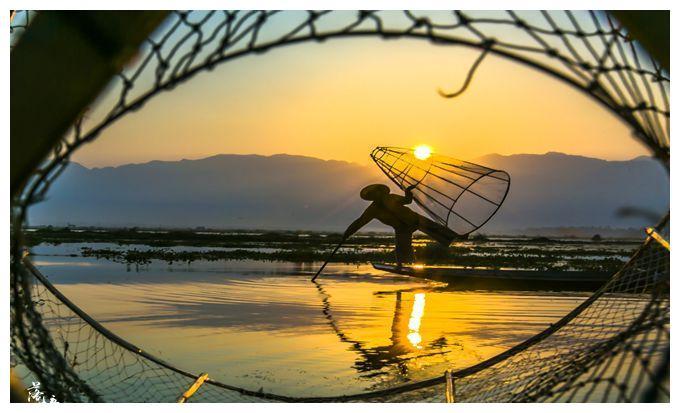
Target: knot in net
460,195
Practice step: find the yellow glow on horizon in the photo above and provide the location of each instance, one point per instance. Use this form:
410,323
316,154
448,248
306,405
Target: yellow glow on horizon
422,152
304,108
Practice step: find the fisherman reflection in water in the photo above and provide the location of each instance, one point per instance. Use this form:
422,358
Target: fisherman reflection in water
390,209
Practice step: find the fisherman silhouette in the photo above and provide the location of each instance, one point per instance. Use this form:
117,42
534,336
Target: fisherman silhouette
391,210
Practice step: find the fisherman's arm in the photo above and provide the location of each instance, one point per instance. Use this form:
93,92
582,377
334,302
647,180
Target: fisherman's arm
409,194
359,223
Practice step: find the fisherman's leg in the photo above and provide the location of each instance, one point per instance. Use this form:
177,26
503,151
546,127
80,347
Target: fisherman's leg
404,247
438,232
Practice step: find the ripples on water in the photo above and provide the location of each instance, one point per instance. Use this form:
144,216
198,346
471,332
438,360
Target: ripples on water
264,325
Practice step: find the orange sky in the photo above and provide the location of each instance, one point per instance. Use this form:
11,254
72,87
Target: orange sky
340,99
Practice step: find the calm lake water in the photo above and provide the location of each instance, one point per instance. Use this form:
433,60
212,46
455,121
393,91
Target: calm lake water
264,325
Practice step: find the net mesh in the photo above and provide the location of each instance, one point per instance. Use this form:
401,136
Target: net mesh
460,195
612,348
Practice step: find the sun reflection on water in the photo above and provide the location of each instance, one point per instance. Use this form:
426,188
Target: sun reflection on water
414,322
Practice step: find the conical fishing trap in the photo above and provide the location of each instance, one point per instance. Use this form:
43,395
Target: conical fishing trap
460,195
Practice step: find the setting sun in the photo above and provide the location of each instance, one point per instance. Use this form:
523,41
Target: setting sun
422,152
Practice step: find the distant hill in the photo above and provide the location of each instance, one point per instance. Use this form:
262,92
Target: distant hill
224,191
562,190
297,192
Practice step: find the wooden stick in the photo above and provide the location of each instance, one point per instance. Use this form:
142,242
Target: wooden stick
658,238
327,260
190,392
450,388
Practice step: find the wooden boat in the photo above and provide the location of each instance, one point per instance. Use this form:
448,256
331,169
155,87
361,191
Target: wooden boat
502,278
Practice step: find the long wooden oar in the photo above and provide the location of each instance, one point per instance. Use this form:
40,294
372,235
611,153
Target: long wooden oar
328,260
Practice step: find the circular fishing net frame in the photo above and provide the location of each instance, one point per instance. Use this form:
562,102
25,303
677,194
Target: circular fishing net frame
612,347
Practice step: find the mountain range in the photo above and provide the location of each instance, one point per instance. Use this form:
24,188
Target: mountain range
299,192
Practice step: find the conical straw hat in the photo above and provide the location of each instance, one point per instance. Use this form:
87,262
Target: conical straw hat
373,192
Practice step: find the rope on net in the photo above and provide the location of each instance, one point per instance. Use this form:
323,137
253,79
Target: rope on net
610,348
